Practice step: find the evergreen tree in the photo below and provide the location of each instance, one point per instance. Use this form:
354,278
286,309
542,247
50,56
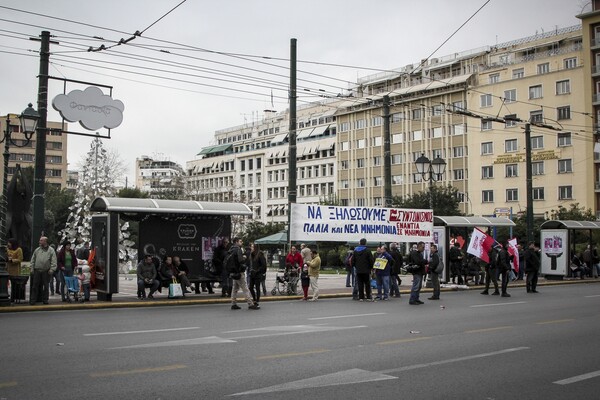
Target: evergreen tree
94,181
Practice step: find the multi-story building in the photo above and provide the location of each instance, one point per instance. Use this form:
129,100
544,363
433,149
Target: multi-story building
158,176
469,109
249,163
56,151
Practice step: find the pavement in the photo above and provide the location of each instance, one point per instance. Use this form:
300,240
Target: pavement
330,286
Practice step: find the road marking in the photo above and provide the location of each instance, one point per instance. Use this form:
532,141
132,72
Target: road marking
453,360
285,355
134,332
353,376
498,304
578,378
8,384
404,340
299,329
137,371
556,321
346,316
593,295
184,342
497,328
336,379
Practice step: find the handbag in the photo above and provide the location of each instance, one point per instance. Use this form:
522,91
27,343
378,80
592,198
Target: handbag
175,289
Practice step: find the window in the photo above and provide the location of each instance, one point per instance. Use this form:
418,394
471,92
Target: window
565,166
458,151
397,117
344,184
486,125
564,139
565,192
344,146
417,114
397,138
360,163
360,144
537,142
458,174
343,164
417,135
360,124
437,110
537,168
360,182
486,100
377,161
397,179
512,170
510,120
487,148
511,145
487,196
344,127
377,141
563,112
536,116
361,202
512,194
377,121
242,165
378,181
563,87
458,129
487,172
397,159
494,78
535,92
510,96
538,193
437,132
543,68
570,63
458,105
518,73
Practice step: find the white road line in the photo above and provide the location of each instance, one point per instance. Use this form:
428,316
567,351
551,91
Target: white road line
134,332
452,360
498,304
346,316
578,378
594,295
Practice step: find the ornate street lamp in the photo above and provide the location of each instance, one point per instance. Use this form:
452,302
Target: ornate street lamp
430,171
29,119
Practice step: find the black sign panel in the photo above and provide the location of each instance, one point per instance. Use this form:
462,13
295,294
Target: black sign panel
105,240
190,238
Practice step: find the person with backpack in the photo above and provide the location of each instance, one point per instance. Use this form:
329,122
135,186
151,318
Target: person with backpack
491,272
434,263
362,261
235,265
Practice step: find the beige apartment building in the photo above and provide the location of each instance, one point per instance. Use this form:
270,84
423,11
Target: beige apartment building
56,151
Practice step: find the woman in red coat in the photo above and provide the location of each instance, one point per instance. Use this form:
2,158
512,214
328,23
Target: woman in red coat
294,261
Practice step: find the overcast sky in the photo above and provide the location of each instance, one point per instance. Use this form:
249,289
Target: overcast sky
202,68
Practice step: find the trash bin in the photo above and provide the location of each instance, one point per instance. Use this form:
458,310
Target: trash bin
281,262
17,288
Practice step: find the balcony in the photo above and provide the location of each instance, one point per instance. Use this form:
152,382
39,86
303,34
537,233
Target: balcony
596,98
595,43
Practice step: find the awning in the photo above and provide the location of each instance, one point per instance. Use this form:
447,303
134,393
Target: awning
326,144
471,221
319,130
279,138
455,80
160,206
557,224
304,133
215,149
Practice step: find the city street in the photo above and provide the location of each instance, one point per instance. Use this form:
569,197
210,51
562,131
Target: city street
464,346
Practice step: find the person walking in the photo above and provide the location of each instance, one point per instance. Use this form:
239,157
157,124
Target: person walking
491,274
416,258
435,277
532,264
314,267
362,261
258,267
235,265
504,260
43,264
395,280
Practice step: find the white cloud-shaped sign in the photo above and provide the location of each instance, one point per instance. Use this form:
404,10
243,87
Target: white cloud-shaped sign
92,108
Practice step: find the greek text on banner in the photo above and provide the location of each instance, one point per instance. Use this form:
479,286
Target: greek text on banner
350,224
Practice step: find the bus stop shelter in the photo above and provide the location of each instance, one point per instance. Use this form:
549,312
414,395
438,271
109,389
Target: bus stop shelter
189,229
558,240
442,225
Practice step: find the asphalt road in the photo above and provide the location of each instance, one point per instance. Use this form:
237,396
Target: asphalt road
466,346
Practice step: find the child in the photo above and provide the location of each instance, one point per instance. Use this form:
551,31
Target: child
85,277
305,279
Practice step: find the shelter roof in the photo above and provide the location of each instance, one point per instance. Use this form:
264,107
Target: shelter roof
471,221
160,206
557,224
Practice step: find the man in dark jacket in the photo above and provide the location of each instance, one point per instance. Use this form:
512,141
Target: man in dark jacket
456,258
504,267
416,258
217,261
238,276
532,266
395,280
435,278
362,261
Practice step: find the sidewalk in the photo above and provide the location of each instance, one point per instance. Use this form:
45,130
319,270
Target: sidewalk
330,286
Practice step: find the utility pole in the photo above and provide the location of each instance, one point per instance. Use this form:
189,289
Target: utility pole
529,182
387,162
292,135
39,176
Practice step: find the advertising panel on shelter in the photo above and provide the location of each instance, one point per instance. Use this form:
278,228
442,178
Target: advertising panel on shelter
346,224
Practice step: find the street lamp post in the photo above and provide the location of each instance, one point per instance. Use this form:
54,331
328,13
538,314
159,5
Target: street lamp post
430,171
29,119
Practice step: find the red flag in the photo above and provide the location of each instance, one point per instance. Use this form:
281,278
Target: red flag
480,245
514,251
